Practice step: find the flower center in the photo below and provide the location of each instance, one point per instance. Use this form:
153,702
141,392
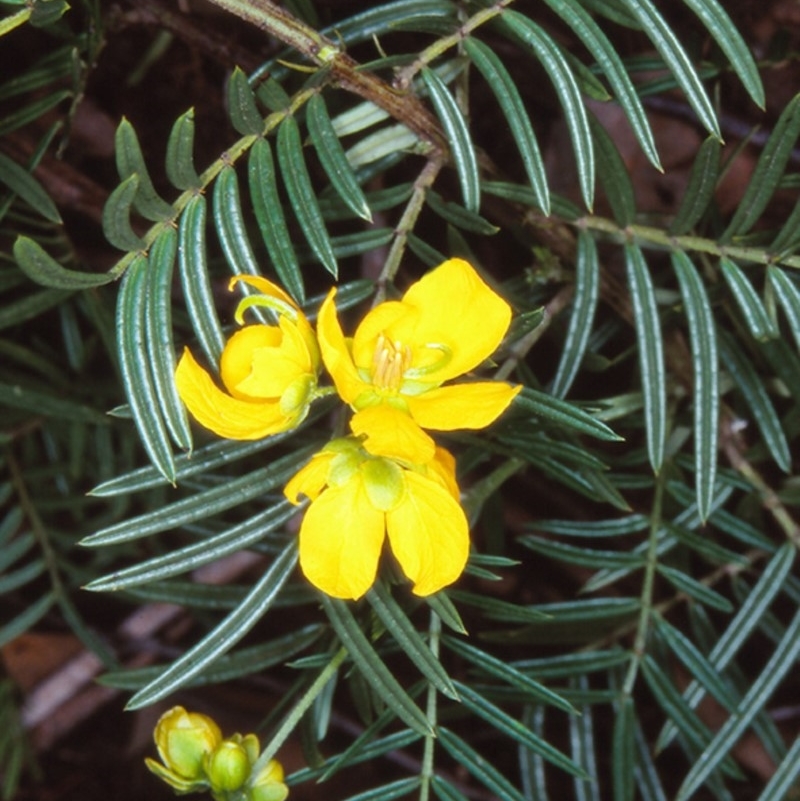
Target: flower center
389,361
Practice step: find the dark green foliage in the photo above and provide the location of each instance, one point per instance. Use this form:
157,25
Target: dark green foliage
634,513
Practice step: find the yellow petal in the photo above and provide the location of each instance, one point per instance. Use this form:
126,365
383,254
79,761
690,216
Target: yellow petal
391,432
273,369
335,352
226,416
310,479
341,537
429,535
264,286
236,361
442,468
461,405
457,312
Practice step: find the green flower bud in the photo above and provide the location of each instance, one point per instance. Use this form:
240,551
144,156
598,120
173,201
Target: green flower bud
183,739
228,765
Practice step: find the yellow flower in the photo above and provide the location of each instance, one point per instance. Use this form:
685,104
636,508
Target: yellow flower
360,494
392,370
269,371
183,739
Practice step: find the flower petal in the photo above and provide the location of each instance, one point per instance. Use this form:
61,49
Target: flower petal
341,537
461,405
226,416
458,313
273,369
309,480
442,468
391,432
335,352
429,535
236,361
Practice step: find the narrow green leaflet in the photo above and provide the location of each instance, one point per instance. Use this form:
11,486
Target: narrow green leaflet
414,646
39,266
780,785
755,395
647,778
651,353
230,225
561,413
332,157
388,792
33,111
201,460
302,194
49,404
242,107
254,484
158,330
594,528
513,108
705,373
445,791
117,216
789,298
446,609
225,635
780,663
695,589
243,662
582,734
584,306
181,560
372,666
7,24
131,162
677,59
746,621
674,706
180,153
700,189
25,186
195,280
557,67
750,304
514,729
504,672
458,137
385,17
271,221
608,59
481,768
622,751
730,41
585,557
532,768
768,172
31,305
27,618
613,175
134,365
459,216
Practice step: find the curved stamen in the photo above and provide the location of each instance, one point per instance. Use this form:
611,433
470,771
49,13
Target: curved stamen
265,301
445,359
